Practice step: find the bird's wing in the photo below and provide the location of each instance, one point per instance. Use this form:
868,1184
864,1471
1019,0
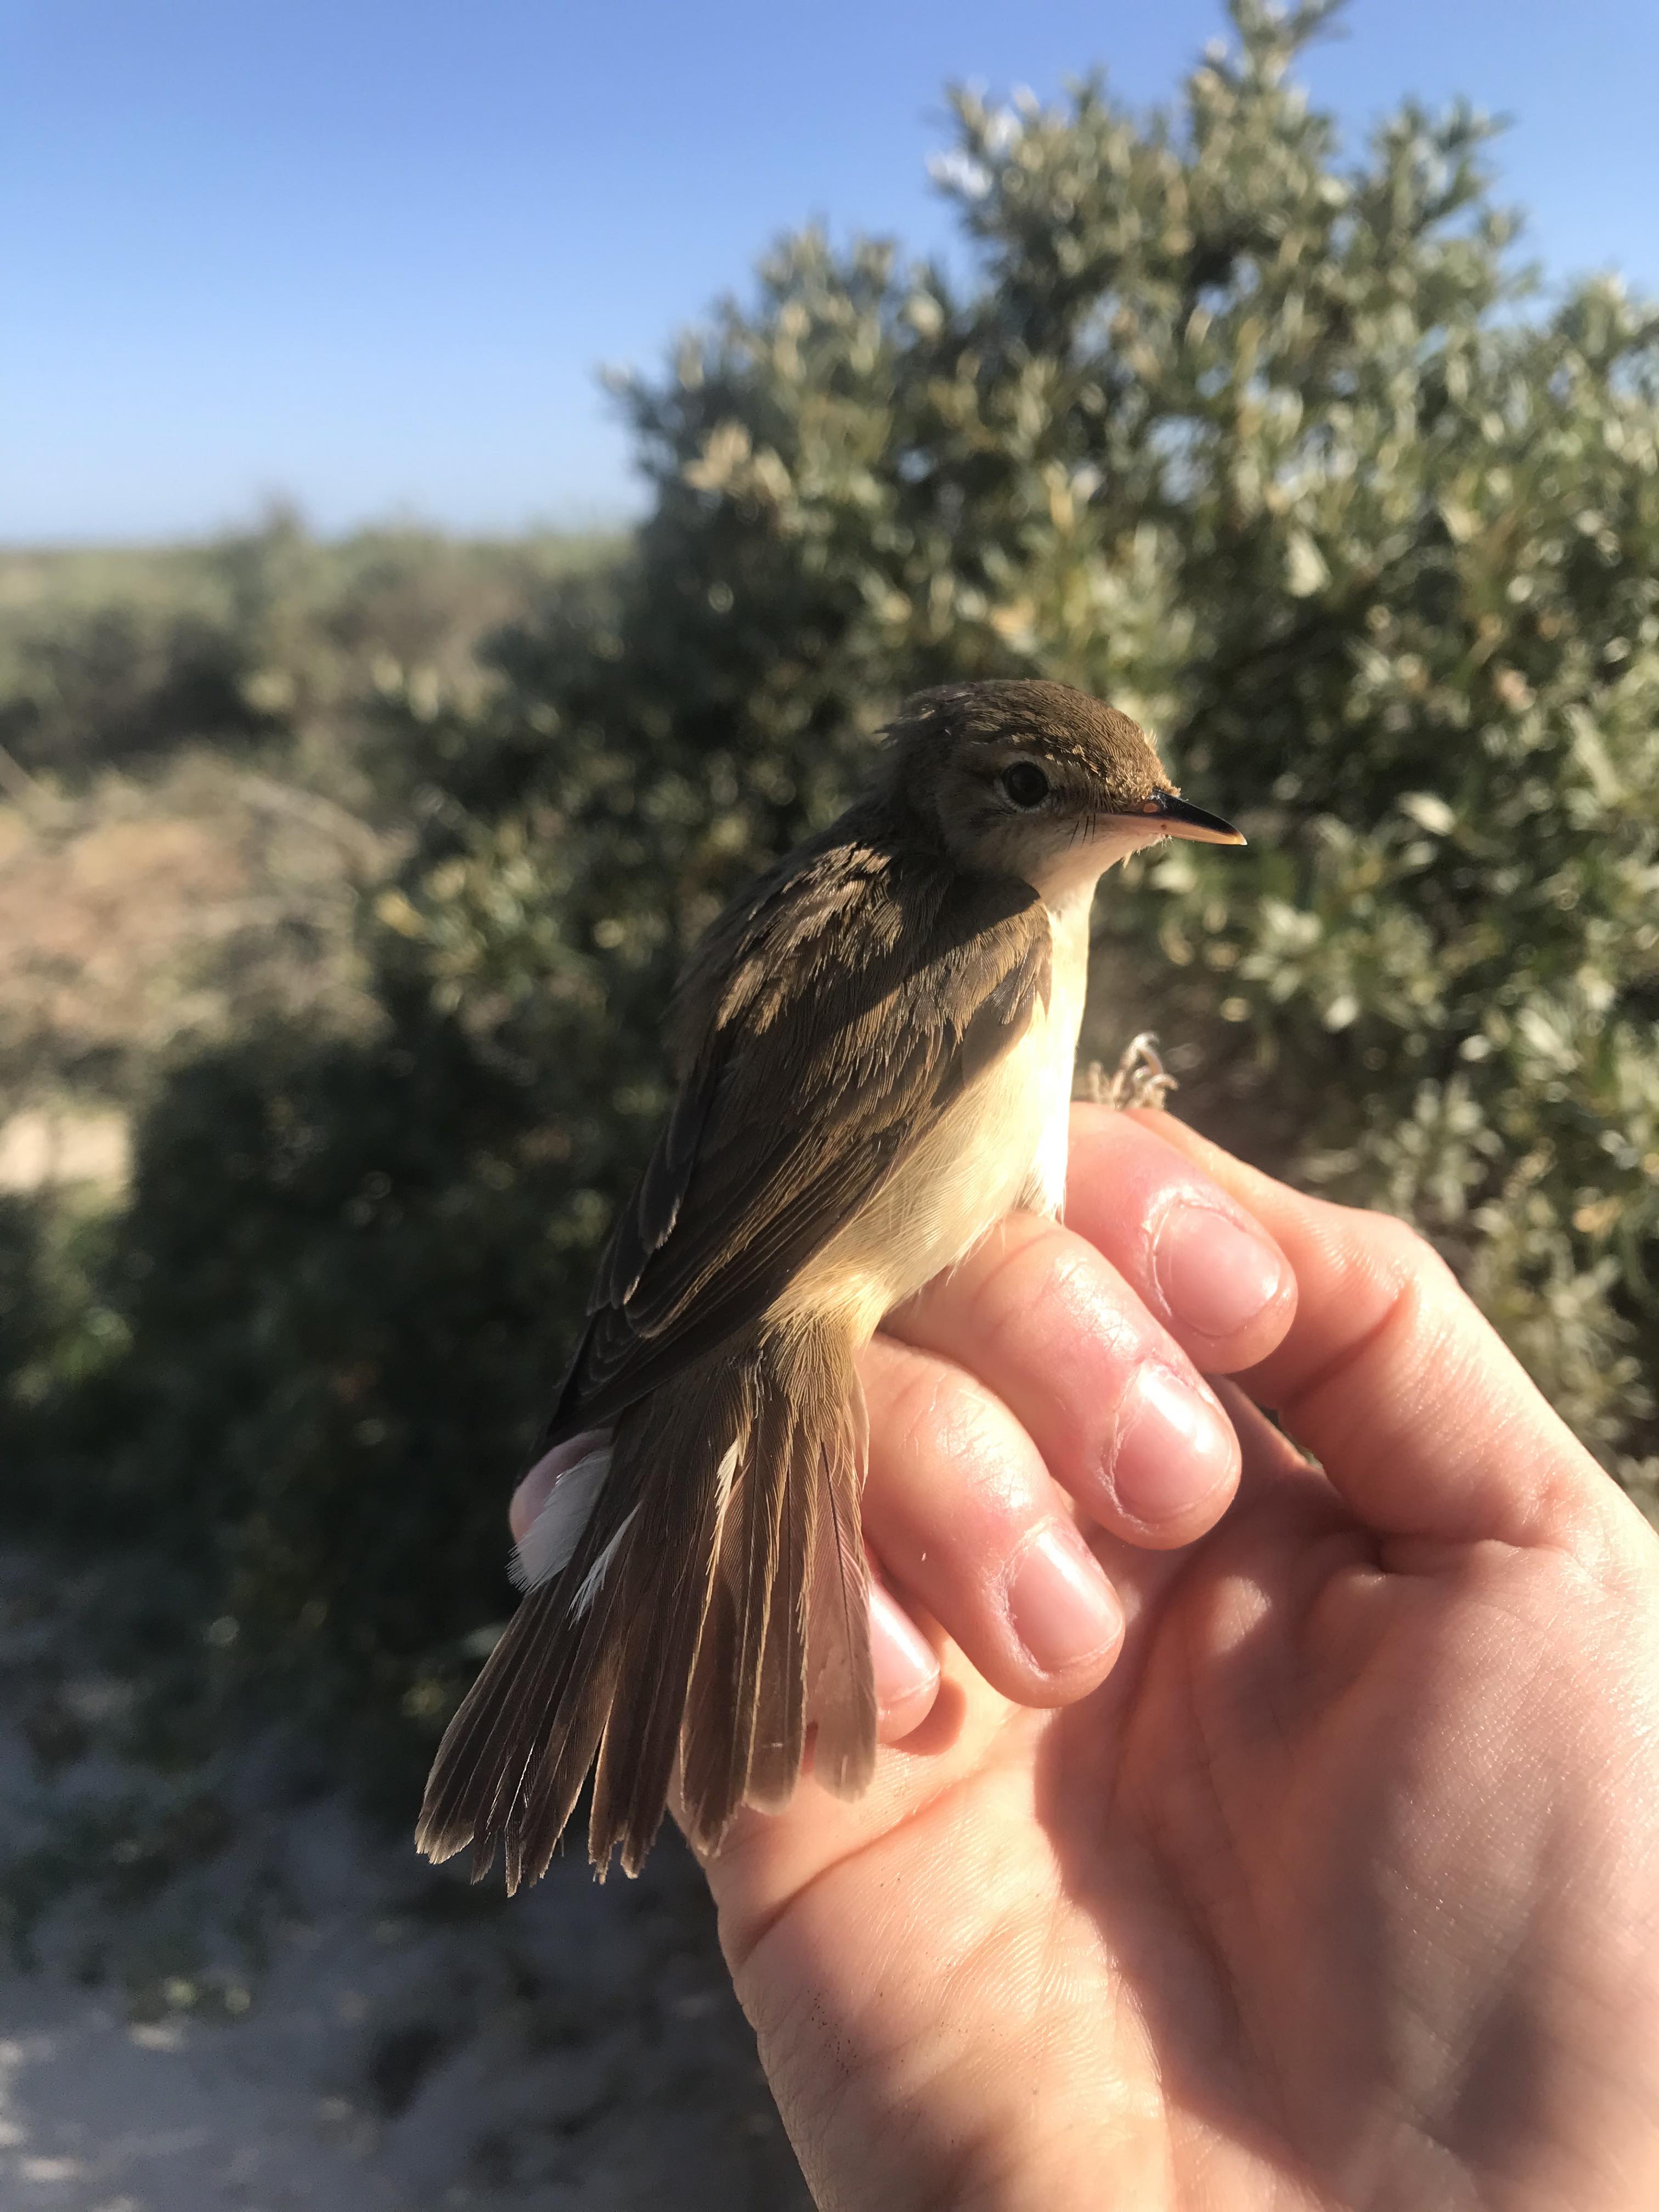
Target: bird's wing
851,1005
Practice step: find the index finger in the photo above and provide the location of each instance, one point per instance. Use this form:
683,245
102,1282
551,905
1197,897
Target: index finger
1420,1413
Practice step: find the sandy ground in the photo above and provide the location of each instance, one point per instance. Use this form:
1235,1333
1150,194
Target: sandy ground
96,2111
243,1998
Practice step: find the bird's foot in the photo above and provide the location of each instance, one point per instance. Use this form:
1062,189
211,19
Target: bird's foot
1140,1078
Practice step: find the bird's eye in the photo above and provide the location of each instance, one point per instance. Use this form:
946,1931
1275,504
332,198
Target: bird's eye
1024,784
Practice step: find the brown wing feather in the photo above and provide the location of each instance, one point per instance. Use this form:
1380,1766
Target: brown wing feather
846,1004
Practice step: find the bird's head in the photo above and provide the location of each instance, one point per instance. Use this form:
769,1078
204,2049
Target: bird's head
1037,780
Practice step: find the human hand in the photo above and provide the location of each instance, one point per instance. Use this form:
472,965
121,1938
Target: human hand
1320,1865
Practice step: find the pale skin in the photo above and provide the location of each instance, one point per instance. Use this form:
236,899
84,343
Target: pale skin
1288,1837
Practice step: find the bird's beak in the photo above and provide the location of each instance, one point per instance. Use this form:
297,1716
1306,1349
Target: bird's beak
1182,819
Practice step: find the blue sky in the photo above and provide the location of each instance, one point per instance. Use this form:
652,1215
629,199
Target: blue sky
370,254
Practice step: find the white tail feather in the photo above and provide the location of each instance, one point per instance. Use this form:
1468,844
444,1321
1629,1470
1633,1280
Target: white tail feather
547,1544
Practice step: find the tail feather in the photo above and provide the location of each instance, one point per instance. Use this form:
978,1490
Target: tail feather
779,1732
718,1734
656,1647
570,1741
724,1588
535,1802
545,1688
843,1688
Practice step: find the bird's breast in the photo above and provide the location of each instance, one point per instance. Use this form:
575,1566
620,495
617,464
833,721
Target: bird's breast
1001,1145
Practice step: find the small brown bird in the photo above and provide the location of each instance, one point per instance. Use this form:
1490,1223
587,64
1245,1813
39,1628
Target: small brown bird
874,1046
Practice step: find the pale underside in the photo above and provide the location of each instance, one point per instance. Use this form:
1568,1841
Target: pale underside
1002,1146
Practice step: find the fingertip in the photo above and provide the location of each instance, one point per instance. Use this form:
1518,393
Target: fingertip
1142,1193
1222,1279
1066,1619
905,1667
1175,1461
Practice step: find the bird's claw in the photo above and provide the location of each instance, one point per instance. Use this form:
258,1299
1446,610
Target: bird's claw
1140,1078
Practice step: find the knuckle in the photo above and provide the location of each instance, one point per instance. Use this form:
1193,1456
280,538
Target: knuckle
1403,1254
1011,1260
1048,1290
934,1409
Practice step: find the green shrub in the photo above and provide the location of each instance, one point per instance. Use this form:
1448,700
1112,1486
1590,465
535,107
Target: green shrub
115,682
58,1338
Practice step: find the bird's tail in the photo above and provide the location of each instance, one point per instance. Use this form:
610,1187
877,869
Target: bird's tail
714,1601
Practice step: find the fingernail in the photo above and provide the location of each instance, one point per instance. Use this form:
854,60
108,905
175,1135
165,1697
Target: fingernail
1174,1447
905,1665
1063,1609
1216,1275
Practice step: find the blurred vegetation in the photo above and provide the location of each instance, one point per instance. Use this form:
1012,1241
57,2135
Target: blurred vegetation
110,657
1278,447
202,762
